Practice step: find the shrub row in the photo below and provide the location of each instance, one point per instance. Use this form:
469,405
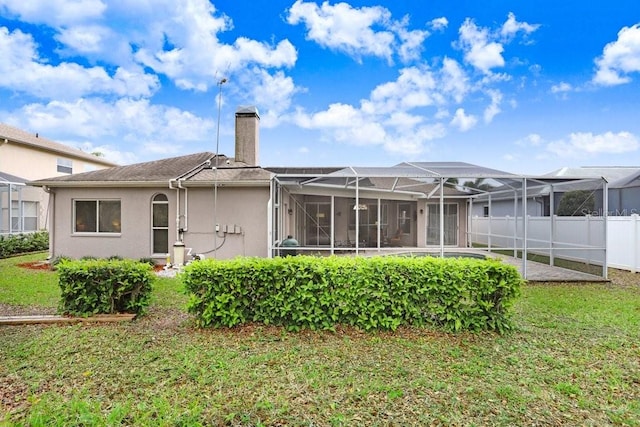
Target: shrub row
369,293
15,244
104,286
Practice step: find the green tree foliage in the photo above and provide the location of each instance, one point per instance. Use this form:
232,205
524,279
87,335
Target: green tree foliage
576,203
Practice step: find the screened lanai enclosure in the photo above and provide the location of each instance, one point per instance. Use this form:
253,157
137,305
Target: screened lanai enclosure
441,209
18,206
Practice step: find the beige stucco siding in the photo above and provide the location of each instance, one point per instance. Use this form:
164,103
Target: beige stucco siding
32,163
242,214
134,241
242,210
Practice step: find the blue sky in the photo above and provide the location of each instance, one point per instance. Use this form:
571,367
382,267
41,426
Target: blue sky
525,87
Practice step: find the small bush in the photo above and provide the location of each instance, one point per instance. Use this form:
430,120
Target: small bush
16,244
369,293
104,287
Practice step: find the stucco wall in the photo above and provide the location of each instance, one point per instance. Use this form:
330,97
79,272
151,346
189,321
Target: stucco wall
245,208
242,214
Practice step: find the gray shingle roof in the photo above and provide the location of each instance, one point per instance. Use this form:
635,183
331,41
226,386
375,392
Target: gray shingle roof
15,135
192,169
148,172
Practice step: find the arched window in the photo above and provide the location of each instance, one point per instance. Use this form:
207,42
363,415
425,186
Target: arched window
160,224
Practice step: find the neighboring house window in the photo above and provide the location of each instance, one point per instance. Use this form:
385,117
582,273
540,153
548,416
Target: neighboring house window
485,211
27,220
65,165
96,216
160,224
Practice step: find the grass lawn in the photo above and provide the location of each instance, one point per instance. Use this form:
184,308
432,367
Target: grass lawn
574,359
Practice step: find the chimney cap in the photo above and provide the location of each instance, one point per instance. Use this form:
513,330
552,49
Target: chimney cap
251,109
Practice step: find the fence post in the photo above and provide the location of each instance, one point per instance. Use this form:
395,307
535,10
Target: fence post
588,239
635,240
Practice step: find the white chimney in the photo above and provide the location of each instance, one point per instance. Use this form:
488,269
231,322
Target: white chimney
247,135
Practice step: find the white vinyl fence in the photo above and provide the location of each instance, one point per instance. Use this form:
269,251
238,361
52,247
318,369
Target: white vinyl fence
574,238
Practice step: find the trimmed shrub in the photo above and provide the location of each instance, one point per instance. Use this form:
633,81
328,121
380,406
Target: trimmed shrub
369,293
104,287
16,244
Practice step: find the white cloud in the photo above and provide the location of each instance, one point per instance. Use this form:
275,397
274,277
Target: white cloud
23,70
478,48
580,144
158,129
561,88
619,58
532,139
483,48
183,44
85,39
493,109
463,121
344,28
512,27
358,32
54,12
178,39
271,92
439,24
410,41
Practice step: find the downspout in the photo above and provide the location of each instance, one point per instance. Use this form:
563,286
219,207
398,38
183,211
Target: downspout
171,187
186,207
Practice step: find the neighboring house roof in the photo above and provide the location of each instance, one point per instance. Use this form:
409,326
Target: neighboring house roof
7,178
629,181
192,168
610,173
18,136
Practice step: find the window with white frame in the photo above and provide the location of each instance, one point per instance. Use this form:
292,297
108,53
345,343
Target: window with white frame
160,224
96,216
65,165
25,220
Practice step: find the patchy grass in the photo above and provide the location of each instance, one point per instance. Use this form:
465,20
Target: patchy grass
573,360
28,287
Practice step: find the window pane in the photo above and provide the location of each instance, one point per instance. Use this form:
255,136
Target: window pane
160,215
160,198
65,165
30,224
160,241
86,220
30,208
110,216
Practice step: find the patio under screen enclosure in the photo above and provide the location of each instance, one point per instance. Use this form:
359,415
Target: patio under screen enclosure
438,208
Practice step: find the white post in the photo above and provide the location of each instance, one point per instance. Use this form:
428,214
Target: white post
379,222
525,219
357,208
552,226
333,224
441,217
636,261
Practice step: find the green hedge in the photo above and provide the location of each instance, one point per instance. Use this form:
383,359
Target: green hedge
369,293
104,286
22,243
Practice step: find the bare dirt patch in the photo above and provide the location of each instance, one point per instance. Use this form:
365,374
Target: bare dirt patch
35,265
